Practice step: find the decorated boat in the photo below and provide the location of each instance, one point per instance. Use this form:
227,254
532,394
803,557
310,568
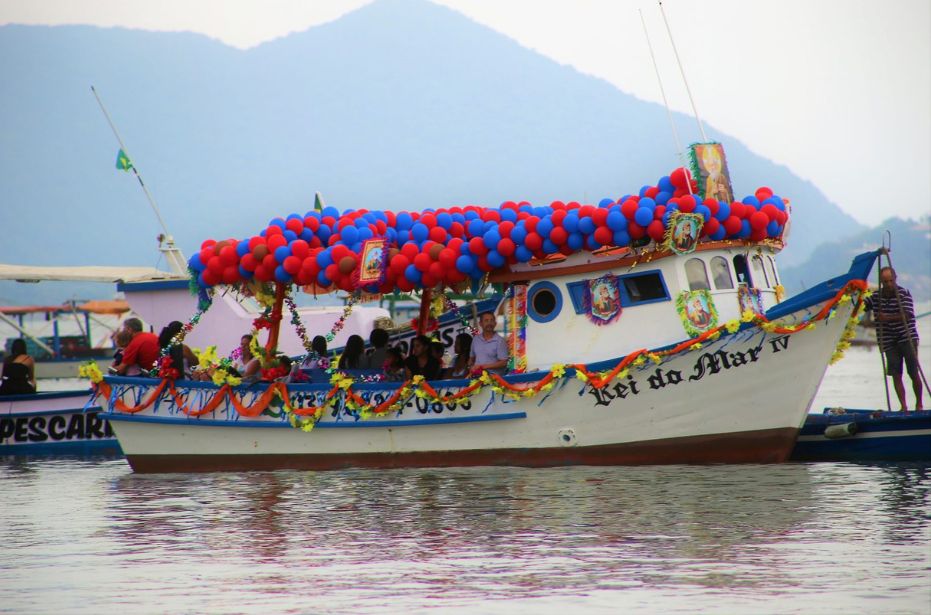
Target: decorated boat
844,434
54,423
645,329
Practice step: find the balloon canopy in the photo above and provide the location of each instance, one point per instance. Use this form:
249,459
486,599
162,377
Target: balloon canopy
449,246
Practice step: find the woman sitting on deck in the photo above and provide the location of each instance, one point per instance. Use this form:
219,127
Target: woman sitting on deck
182,357
352,355
19,371
421,361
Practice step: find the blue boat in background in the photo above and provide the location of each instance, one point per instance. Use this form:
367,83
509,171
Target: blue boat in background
841,434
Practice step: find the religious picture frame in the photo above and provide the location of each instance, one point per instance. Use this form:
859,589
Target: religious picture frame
709,167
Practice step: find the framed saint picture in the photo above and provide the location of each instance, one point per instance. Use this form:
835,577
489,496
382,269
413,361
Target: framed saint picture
603,300
697,311
683,231
372,267
709,166
749,299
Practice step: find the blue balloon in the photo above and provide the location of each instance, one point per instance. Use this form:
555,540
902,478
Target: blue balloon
464,248
296,217
324,258
282,253
549,247
643,190
476,227
719,234
365,233
307,235
403,221
464,264
195,264
403,237
576,241
331,211
751,200
772,229
662,197
489,225
545,227
245,274
605,203
277,222
745,229
323,233
586,226
412,274
491,239
495,259
643,216
592,243
724,211
322,279
313,214
444,220
704,211
571,222
665,184
420,232
616,221
458,218
349,235
200,280
281,275
522,254
621,238
471,215
289,235
648,203
509,214
518,234
242,248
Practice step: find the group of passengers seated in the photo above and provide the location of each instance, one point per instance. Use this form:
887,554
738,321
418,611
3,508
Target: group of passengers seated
138,353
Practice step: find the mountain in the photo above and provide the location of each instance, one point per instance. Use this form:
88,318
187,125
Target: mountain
400,104
910,254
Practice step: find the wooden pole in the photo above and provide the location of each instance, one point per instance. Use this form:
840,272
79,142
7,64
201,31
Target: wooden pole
272,346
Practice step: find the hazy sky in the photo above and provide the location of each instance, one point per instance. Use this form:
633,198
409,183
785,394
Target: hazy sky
839,91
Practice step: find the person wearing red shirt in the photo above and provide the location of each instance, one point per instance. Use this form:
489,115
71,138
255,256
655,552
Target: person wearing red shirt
142,350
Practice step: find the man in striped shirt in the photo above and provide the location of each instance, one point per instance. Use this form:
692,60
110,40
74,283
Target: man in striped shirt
894,313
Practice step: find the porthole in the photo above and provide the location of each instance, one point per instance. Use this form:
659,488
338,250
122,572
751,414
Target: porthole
544,301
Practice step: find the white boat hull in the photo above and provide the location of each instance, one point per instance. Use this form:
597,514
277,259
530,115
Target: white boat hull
741,398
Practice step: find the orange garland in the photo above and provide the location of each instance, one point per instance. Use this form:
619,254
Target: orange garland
594,378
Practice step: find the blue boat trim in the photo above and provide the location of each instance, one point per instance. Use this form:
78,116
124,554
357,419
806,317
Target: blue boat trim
135,287
193,422
106,446
80,410
859,270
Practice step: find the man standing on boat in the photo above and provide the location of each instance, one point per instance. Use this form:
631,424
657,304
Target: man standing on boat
141,352
489,350
893,311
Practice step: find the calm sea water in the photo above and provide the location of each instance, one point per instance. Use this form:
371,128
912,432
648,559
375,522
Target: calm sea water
89,536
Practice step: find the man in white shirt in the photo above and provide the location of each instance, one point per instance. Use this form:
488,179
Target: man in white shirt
489,350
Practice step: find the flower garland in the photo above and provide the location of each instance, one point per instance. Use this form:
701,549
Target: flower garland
163,362
342,384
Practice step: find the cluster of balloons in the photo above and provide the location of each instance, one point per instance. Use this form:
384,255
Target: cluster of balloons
449,246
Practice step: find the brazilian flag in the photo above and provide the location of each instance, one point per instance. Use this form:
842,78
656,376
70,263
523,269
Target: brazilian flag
318,202
123,163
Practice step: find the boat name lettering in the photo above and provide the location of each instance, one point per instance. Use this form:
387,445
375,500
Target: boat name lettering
707,364
56,428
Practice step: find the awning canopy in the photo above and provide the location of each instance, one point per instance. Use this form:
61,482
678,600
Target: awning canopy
27,273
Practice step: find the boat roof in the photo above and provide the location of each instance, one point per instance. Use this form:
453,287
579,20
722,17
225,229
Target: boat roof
93,273
98,306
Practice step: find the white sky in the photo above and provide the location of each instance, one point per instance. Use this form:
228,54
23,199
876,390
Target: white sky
839,91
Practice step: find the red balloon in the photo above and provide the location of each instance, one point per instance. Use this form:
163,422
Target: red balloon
228,255
456,229
275,241
448,258
758,220
635,230
399,263
600,216
292,264
651,192
533,241
680,177
215,265
477,246
740,210
205,255
208,243
294,225
260,251
505,228
262,274
248,262
410,250
656,230
300,248
763,193
732,225
346,264
332,272
312,222
211,278
422,261
559,235
438,234
429,219
758,234
531,223
771,211
558,216
557,205
506,247
604,236
687,205
269,262
230,275
435,271
629,208
713,206
658,212
711,226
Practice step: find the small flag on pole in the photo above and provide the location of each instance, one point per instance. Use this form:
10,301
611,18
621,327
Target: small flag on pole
123,163
318,202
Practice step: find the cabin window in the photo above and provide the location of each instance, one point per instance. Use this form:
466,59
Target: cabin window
721,273
759,272
576,292
544,301
643,288
772,270
697,274
742,271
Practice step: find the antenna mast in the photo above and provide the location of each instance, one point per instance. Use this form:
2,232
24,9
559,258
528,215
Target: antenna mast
176,261
701,127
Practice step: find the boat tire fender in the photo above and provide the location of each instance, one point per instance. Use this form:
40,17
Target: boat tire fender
842,430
